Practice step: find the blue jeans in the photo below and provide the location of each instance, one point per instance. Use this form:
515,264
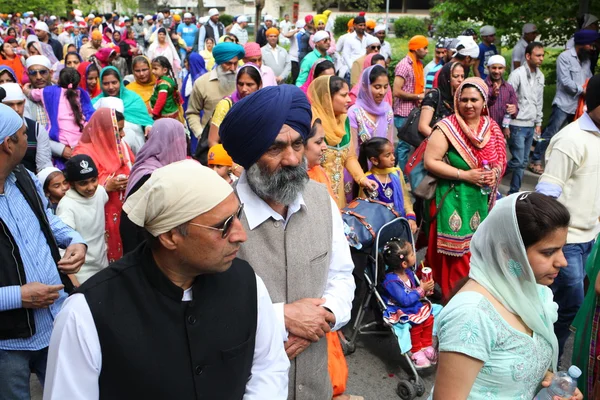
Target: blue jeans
568,288
16,367
557,119
403,149
519,145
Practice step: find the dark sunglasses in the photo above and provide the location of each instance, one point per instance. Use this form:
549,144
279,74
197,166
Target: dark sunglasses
375,47
34,72
225,227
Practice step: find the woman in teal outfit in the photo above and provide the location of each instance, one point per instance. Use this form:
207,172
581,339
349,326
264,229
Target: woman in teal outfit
499,325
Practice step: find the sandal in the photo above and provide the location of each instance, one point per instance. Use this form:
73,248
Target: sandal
535,168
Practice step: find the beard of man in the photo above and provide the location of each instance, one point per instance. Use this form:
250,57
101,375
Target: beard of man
583,55
226,80
281,186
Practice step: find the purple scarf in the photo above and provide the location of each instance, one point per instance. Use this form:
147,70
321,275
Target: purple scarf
167,144
366,101
235,97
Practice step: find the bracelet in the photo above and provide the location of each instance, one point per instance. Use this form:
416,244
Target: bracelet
457,174
361,179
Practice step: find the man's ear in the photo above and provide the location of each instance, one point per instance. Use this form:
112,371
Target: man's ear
169,240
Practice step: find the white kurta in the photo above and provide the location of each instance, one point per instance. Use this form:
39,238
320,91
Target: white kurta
75,357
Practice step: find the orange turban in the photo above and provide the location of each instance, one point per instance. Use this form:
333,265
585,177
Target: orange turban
371,24
272,31
96,35
418,42
97,21
351,23
218,156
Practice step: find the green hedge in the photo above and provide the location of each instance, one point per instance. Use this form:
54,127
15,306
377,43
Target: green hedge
225,19
340,26
451,29
407,27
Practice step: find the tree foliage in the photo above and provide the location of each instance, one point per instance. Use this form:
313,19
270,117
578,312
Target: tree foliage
39,7
556,19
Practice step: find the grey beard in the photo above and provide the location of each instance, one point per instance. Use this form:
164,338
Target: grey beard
226,80
282,186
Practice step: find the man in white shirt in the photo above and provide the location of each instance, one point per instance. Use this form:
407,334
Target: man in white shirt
354,45
276,57
572,175
530,32
294,229
239,29
66,37
386,47
168,320
285,26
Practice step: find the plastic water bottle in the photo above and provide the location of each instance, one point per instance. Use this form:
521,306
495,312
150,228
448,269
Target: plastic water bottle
506,120
486,189
563,385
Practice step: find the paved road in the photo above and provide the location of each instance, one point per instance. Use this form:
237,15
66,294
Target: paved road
377,365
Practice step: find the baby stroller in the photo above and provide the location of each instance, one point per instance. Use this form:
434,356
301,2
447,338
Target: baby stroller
398,227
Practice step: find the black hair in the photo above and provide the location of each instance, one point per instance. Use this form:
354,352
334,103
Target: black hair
161,30
140,59
5,71
111,72
2,50
322,67
538,216
377,57
371,148
533,45
313,129
336,84
252,73
31,44
393,254
234,38
12,28
72,53
69,79
211,39
165,63
92,67
376,72
119,115
49,178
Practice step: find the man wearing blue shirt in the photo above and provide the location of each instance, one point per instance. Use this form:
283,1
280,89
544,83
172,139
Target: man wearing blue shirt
487,48
188,32
33,276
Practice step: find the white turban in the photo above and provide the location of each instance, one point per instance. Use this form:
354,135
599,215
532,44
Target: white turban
114,103
469,47
175,194
160,16
372,40
496,59
242,18
212,12
187,15
203,20
379,28
268,18
320,35
13,92
41,26
300,24
38,60
77,13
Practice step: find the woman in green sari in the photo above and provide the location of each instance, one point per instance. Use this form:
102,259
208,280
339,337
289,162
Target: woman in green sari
458,151
587,335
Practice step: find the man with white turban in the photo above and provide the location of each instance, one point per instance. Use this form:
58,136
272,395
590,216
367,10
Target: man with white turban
33,280
42,31
180,317
211,28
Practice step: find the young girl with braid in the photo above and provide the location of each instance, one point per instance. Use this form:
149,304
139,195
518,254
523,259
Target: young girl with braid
165,101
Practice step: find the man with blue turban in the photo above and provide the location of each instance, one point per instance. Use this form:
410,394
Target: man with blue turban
296,240
33,276
212,87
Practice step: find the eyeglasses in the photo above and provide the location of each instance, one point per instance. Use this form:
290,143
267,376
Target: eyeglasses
226,225
375,47
34,72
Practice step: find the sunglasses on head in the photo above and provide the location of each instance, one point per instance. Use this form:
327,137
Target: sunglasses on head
375,47
34,72
225,227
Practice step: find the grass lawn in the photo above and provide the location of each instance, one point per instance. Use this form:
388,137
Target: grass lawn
400,48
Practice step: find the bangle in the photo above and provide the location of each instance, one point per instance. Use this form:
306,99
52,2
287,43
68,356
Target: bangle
457,174
361,179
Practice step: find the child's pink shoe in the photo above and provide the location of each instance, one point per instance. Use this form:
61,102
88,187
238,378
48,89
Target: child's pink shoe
431,354
420,359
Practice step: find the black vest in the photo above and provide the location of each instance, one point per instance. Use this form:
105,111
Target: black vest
29,159
210,32
155,346
19,323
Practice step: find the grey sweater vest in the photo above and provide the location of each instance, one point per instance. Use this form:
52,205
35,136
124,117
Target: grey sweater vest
294,264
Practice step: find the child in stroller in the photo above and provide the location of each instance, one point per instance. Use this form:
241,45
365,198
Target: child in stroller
405,299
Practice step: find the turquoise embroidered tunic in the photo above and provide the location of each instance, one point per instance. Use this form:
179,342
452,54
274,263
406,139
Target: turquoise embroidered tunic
514,362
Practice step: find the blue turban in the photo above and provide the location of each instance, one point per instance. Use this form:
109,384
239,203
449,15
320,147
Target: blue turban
586,36
253,123
10,122
225,51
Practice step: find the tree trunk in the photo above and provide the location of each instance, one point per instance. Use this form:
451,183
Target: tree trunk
260,4
200,8
404,6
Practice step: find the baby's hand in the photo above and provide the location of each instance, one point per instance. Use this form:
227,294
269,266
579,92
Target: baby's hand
427,286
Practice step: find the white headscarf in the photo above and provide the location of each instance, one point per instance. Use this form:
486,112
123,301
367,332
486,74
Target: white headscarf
171,54
499,263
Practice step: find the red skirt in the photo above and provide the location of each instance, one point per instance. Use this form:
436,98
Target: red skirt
447,270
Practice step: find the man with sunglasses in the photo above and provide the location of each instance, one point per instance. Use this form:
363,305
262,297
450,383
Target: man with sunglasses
322,43
181,317
296,241
373,47
39,70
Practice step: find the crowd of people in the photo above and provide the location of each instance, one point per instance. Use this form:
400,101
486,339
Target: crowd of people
170,197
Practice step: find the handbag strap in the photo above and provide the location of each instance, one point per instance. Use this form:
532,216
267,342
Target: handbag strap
437,108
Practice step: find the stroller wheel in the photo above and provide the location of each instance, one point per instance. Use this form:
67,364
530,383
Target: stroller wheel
406,390
419,386
348,347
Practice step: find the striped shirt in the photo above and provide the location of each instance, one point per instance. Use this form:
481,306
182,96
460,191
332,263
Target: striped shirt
430,71
404,69
497,104
37,260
